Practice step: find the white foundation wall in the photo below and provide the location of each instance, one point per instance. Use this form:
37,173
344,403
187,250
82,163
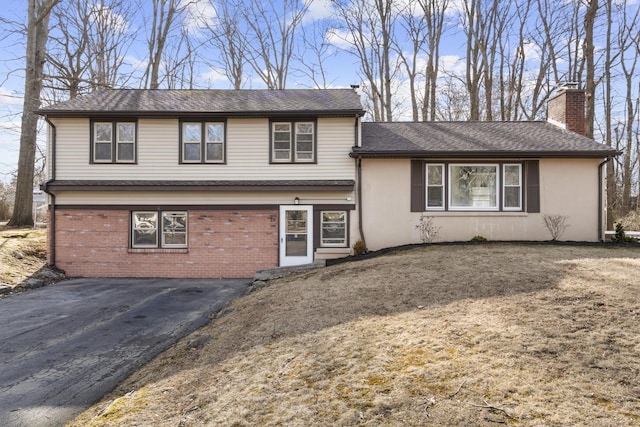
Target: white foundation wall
568,187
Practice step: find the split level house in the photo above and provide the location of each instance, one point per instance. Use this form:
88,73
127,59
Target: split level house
222,183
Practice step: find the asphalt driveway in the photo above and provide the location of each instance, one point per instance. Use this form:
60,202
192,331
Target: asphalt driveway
64,346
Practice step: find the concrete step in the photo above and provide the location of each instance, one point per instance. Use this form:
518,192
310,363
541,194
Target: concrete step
278,272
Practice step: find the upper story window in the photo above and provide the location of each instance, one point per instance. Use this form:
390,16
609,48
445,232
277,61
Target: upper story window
293,141
113,141
202,142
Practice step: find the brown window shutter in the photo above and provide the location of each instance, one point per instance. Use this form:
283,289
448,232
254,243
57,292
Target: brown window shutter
417,186
532,170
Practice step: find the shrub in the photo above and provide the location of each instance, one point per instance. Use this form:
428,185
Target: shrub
556,224
428,230
621,236
477,239
359,248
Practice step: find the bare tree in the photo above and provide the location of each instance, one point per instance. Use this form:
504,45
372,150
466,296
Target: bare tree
228,41
590,86
473,25
314,51
165,15
87,45
272,37
38,12
368,30
413,25
434,14
607,98
511,69
629,44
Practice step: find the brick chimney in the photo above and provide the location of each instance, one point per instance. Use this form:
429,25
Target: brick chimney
566,109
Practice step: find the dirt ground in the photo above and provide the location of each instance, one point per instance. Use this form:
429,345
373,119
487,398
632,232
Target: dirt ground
23,260
441,335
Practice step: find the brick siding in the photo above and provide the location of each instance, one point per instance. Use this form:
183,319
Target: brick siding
234,243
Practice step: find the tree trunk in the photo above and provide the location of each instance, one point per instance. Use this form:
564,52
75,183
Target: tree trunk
611,178
37,33
589,20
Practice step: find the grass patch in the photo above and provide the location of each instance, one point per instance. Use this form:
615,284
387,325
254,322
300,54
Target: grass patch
439,335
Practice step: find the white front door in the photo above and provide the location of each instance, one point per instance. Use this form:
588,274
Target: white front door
296,235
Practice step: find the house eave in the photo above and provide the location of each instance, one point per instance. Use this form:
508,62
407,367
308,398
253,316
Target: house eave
226,186
481,154
199,114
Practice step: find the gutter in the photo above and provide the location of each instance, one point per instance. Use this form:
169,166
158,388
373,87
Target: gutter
45,188
497,154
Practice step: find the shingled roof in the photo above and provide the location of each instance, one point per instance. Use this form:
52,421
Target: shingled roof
168,102
474,140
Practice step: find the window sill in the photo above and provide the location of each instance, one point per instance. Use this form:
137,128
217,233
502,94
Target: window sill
476,213
333,250
158,250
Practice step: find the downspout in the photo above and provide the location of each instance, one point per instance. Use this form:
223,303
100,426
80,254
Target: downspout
600,198
359,167
52,206
359,182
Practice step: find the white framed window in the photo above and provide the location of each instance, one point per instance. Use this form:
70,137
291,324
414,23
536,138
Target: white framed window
148,232
333,228
202,142
293,142
304,142
191,143
435,186
102,141
214,140
512,187
281,142
144,229
125,142
174,229
473,187
113,141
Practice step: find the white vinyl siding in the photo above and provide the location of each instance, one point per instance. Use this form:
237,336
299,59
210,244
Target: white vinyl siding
247,153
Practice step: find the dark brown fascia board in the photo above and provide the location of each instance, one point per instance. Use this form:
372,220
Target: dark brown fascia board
196,114
482,154
53,187
190,207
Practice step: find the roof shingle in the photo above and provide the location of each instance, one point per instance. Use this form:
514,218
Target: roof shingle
236,102
474,139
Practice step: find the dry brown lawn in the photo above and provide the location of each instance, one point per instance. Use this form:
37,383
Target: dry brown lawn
441,335
23,252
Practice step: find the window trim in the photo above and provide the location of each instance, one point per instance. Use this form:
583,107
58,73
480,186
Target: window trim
505,185
293,141
203,141
500,167
494,208
442,186
346,229
114,143
159,230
